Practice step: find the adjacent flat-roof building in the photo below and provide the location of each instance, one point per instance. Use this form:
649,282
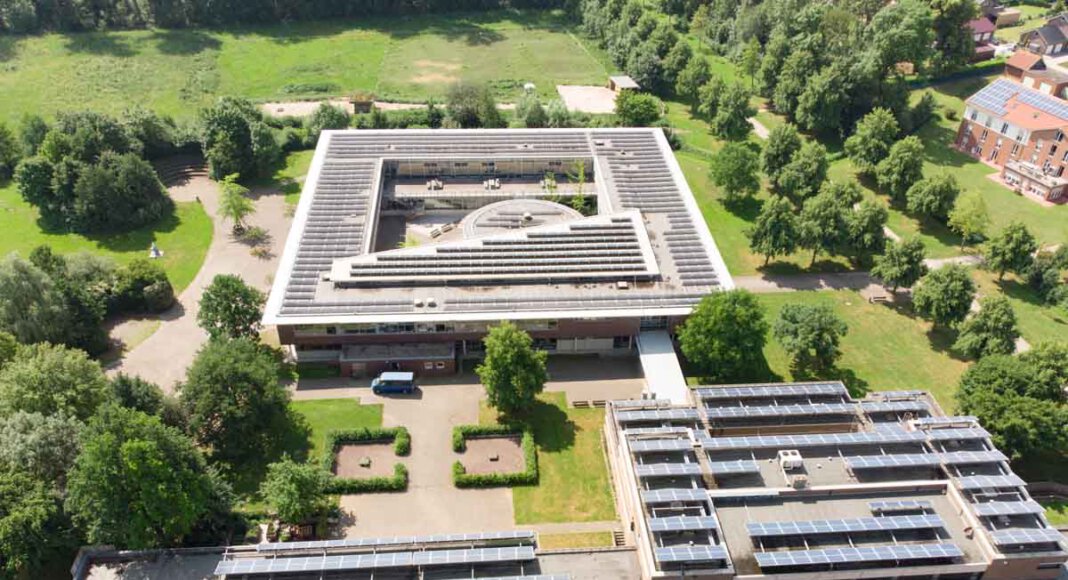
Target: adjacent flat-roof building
802,481
418,240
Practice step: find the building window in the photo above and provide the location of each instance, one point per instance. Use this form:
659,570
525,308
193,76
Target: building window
1020,136
1065,158
439,365
982,136
974,114
1004,128
1059,136
1053,150
1015,149
1038,145
428,366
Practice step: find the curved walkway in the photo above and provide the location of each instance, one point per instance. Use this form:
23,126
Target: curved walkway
164,356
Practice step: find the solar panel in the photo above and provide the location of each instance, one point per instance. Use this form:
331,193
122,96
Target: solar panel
1026,536
683,413
900,505
967,457
691,554
1007,508
656,430
894,407
940,421
893,460
888,435
659,445
518,535
281,565
760,391
658,496
845,526
902,554
958,434
667,469
781,410
682,523
733,467
989,481
475,556
890,395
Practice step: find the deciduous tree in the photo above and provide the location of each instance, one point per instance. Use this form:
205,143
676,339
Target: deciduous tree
1010,250
781,146
31,525
945,295
901,264
933,196
41,447
734,170
872,139
724,337
901,168
295,491
233,203
52,380
634,109
775,232
803,176
731,120
810,334
513,371
992,330
231,309
969,217
823,224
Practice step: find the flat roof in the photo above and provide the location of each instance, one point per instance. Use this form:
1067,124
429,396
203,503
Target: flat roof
646,252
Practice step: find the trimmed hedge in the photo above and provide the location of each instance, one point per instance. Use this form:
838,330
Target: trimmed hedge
402,445
461,433
528,476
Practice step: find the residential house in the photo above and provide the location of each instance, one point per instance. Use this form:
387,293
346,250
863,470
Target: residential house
1023,61
983,34
1021,130
999,14
1050,38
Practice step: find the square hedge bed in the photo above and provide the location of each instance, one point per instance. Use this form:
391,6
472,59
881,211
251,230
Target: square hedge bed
529,475
402,446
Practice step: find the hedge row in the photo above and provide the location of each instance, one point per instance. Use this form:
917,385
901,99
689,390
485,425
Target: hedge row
398,482
528,476
461,433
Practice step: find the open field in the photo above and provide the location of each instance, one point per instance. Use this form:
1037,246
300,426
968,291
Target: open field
399,58
573,484
325,415
887,347
184,237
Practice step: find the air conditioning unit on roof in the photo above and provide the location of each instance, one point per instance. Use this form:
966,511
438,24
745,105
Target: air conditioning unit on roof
790,459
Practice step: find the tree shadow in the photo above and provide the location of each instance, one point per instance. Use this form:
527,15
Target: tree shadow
184,42
465,30
821,266
99,43
139,239
942,340
857,387
1024,293
7,47
553,429
745,207
292,437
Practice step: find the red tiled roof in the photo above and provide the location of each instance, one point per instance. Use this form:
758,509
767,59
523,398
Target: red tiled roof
1023,59
981,25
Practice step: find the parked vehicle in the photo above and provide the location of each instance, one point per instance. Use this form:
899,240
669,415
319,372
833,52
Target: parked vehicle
393,383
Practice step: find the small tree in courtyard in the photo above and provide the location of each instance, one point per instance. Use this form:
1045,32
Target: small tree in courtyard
513,371
233,205
810,334
945,295
230,308
901,264
296,491
724,337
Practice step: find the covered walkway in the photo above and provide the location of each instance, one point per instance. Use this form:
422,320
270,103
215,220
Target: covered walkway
663,375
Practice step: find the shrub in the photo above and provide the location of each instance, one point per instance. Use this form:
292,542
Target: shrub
345,486
141,286
950,113
529,475
461,433
402,445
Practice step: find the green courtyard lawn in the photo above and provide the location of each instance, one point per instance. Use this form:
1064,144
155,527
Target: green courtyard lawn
398,58
886,348
1039,322
325,415
184,237
573,481
288,176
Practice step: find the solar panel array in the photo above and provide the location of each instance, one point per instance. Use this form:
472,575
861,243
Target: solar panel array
667,469
902,554
761,391
844,526
944,421
781,411
957,434
670,430
881,436
733,467
899,506
682,413
516,535
893,460
970,457
971,482
1026,536
889,395
1007,508
894,407
661,496
374,561
996,96
682,524
691,554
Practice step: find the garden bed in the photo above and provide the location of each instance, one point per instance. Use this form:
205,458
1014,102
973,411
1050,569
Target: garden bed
345,449
517,462
363,460
493,455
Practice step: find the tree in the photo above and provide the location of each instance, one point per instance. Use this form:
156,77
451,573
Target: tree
901,264
1011,249
137,483
749,61
1021,427
872,139
731,121
233,205
141,286
822,224
8,346
708,97
781,146
1009,375
31,525
32,131
802,177
676,60
136,393
933,196
235,405
326,116
1050,362
645,67
472,106
901,32
51,380
231,309
993,330
10,152
691,78
234,138
954,44
295,491
32,309
810,334
969,217
634,109
513,372
40,447
776,50
734,170
117,193
902,167
866,228
775,232
945,295
535,117
724,337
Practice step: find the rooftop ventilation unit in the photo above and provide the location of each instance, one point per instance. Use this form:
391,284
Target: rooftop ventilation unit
790,459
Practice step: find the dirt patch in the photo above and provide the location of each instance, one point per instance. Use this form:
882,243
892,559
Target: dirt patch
449,66
349,458
431,78
587,99
479,454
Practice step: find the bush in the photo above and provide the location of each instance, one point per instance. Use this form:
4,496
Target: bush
345,486
402,445
529,476
141,286
950,113
461,433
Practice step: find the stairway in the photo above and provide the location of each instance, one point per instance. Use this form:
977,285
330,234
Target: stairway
179,169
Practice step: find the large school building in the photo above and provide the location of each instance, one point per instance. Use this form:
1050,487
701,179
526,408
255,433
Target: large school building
408,245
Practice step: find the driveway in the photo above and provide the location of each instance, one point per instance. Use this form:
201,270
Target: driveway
163,357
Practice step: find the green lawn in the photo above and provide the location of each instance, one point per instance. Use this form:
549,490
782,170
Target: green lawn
1030,17
575,540
184,237
886,348
573,481
1038,321
1057,512
400,58
324,415
289,176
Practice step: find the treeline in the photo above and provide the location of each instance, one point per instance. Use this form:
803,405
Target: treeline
23,16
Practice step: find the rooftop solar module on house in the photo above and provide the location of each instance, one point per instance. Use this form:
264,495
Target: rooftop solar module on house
898,395
881,436
680,414
906,554
781,411
968,457
900,506
700,554
667,469
972,482
893,461
516,535
844,526
996,96
1027,536
659,496
761,391
660,445
682,523
733,467
1007,508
